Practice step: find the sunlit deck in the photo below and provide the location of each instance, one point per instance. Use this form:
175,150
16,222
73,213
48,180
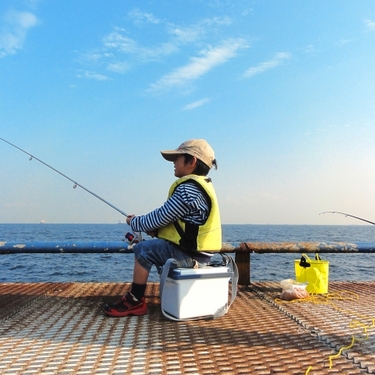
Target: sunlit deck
59,328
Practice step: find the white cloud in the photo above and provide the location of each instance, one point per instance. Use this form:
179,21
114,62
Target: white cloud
198,66
310,48
165,49
117,41
370,25
14,31
187,34
199,30
141,17
120,50
273,63
342,42
118,67
196,104
92,75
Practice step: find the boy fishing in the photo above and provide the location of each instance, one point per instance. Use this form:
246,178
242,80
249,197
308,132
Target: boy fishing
186,227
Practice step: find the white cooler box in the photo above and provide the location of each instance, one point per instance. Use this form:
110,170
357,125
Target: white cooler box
190,293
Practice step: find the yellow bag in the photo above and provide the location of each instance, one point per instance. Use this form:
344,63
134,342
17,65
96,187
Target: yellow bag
315,272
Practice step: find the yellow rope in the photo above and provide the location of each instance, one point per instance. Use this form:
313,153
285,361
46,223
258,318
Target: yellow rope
340,351
352,325
323,298
328,300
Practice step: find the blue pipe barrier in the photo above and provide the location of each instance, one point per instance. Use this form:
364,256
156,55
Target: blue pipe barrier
306,247
243,247
64,247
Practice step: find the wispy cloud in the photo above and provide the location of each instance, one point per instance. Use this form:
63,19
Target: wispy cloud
273,63
118,43
93,75
141,17
198,66
370,25
186,34
196,104
14,31
310,48
120,51
118,67
343,42
198,30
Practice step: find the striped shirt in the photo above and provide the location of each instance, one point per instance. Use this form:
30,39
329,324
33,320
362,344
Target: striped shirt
187,203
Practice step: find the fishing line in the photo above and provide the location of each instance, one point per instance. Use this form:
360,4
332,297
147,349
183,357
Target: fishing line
343,213
68,178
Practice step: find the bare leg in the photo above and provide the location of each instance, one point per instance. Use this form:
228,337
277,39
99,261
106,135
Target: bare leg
140,274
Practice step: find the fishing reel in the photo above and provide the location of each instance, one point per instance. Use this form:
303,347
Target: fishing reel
133,238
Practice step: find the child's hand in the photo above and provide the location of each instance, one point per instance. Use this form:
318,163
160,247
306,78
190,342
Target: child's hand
129,219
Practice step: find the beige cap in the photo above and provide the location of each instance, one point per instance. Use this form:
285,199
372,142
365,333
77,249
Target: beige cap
195,147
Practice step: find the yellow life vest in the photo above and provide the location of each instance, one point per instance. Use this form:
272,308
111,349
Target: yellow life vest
205,237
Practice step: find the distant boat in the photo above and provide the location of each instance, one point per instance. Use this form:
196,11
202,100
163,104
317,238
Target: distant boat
42,222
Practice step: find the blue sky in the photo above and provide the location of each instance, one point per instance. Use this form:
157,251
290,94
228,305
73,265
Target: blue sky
284,91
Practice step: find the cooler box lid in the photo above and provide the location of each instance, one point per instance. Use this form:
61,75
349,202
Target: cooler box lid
200,273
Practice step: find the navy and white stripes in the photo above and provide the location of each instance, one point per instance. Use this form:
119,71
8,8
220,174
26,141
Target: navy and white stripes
187,202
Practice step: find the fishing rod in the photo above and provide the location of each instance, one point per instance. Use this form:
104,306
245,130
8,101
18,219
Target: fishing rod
68,178
343,213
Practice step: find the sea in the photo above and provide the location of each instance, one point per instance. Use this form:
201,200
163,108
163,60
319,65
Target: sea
118,267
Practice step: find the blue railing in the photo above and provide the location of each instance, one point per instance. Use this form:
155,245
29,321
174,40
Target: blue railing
242,250
238,247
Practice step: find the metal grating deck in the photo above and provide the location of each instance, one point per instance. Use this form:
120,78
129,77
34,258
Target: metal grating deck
58,328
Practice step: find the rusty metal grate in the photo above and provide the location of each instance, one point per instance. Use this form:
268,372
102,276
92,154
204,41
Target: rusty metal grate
58,328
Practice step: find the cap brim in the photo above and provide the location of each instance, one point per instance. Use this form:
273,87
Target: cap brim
170,155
